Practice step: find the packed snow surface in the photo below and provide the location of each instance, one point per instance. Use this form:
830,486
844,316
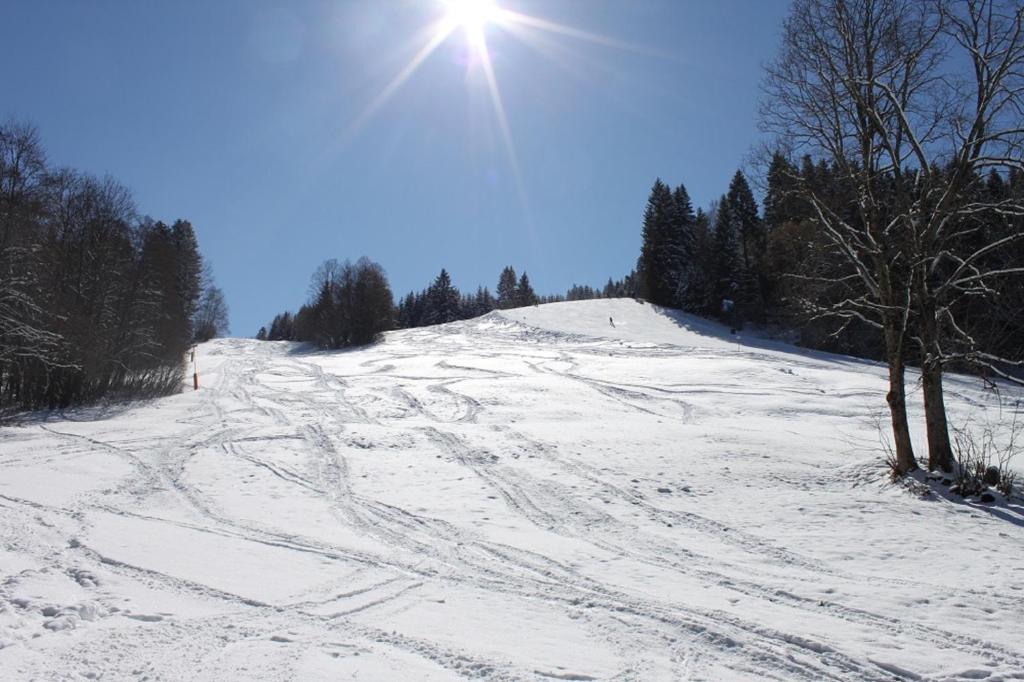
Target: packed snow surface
579,491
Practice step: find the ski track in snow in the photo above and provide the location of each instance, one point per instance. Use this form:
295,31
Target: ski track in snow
529,495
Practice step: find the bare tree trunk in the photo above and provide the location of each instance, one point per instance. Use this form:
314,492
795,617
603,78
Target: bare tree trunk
940,451
896,397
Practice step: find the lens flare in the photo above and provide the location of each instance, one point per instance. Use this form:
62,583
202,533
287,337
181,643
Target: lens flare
472,15
472,18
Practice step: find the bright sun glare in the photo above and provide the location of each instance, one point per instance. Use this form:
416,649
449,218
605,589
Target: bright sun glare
472,15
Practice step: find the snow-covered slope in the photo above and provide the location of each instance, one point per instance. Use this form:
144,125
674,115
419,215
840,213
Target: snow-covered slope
626,320
536,494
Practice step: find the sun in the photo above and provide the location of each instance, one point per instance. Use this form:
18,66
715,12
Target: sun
472,15
473,18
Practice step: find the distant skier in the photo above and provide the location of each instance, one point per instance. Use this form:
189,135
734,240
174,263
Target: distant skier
611,322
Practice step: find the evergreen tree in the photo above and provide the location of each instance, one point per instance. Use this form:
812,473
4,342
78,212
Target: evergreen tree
582,293
789,239
525,294
726,262
190,271
702,285
681,242
482,303
325,329
406,317
442,300
781,204
419,309
282,328
507,288
749,230
659,255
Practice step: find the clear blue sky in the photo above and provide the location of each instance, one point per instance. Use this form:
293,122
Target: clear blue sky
239,115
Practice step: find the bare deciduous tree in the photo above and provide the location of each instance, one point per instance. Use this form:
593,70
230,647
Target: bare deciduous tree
94,303
822,98
979,128
911,102
211,316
